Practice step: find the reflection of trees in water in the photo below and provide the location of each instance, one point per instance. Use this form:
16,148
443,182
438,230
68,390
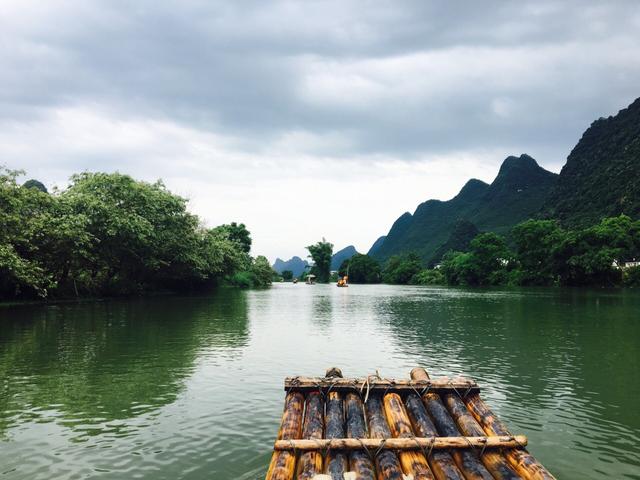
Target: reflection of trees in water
549,341
322,308
105,361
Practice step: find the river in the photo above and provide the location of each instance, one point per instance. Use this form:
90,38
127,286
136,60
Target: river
191,387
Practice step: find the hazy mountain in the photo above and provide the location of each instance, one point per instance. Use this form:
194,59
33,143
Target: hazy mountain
376,245
342,255
517,193
601,176
295,264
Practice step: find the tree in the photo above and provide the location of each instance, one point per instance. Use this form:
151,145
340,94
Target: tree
238,233
586,256
428,277
287,275
535,242
400,269
486,263
321,254
361,269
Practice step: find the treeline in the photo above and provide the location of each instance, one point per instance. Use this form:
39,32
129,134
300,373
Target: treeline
537,252
108,234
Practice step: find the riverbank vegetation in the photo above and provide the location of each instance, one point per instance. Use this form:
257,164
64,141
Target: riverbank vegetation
108,234
536,252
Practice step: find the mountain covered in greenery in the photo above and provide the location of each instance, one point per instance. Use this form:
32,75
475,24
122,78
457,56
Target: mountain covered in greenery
376,245
342,255
296,265
600,178
517,193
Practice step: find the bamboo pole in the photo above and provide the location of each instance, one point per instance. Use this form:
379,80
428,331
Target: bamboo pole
442,465
412,443
414,463
524,463
468,463
283,463
336,463
310,462
360,463
496,463
387,463
345,385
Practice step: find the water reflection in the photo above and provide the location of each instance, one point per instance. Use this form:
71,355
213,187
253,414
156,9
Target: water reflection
192,387
95,363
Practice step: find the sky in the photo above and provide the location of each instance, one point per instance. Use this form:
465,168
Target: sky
307,119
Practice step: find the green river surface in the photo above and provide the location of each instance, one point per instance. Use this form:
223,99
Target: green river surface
192,387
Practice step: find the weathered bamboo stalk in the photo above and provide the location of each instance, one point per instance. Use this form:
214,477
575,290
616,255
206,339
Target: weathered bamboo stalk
524,463
387,463
442,465
360,463
413,443
283,463
413,462
439,385
468,463
336,463
310,463
495,462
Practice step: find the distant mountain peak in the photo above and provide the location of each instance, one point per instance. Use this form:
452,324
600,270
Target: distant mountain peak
474,188
342,255
522,163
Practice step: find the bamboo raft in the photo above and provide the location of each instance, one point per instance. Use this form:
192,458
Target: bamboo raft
364,429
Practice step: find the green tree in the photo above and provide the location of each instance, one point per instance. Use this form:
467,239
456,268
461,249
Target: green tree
586,256
535,242
238,233
361,269
428,277
287,275
321,254
400,269
487,262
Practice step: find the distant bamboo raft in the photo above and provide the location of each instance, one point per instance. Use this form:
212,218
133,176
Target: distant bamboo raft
372,428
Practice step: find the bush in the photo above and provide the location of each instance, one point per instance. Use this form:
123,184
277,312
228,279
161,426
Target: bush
428,277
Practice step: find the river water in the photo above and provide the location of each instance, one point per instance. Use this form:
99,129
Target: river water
191,387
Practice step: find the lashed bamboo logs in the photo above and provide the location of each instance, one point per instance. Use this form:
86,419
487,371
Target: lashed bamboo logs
414,463
336,463
283,463
360,463
496,463
310,463
468,463
414,443
387,463
442,465
440,385
524,463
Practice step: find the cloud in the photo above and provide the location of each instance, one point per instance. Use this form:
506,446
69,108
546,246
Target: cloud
307,118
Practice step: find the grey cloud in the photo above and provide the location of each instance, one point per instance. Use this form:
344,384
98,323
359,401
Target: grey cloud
239,69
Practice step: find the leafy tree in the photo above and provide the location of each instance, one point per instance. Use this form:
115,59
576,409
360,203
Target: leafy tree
428,277
586,257
287,275
400,269
486,263
110,234
238,233
535,242
321,254
361,269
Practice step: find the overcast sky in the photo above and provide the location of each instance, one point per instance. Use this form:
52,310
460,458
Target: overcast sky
307,119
